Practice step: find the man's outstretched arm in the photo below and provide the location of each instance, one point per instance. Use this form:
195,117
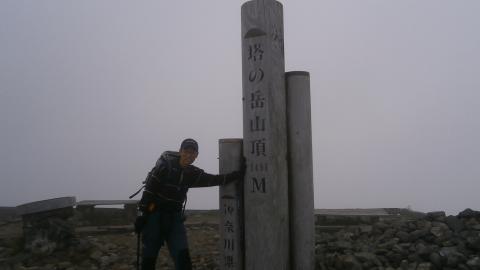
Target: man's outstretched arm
208,180
199,178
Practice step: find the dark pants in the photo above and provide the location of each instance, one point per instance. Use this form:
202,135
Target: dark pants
161,227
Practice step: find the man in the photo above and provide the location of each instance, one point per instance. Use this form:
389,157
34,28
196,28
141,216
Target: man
163,201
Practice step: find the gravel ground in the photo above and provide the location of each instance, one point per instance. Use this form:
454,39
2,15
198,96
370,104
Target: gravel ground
115,249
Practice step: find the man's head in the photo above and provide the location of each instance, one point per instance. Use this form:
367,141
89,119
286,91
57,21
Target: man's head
188,152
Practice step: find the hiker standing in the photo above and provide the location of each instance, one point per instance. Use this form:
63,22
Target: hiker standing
163,202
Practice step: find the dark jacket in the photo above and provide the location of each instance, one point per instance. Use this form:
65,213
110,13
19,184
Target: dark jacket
167,183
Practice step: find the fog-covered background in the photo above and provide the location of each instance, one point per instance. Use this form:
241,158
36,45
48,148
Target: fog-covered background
91,92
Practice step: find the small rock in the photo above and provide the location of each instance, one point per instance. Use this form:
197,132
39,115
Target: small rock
454,223
105,260
96,255
389,244
82,245
436,259
415,235
453,257
394,258
63,265
380,226
366,228
423,251
437,231
469,213
110,246
473,242
350,263
403,236
438,215
367,257
412,226
400,250
389,233
41,246
474,263
342,245
425,266
463,267
414,258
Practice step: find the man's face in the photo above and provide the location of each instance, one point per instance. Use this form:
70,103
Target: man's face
187,156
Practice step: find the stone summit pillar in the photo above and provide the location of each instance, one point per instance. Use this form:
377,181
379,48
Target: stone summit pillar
231,207
300,171
265,137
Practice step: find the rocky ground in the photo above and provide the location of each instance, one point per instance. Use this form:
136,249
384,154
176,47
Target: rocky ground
433,241
108,248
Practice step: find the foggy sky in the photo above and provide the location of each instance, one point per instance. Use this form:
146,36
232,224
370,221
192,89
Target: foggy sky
91,93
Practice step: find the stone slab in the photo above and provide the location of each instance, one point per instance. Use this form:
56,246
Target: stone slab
352,212
7,213
105,202
45,205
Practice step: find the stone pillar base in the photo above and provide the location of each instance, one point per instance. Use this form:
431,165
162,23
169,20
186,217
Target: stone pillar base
48,231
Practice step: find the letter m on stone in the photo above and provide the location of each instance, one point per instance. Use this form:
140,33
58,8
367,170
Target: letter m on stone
258,185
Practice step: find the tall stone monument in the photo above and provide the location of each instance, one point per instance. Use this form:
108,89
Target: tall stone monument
265,137
300,171
231,207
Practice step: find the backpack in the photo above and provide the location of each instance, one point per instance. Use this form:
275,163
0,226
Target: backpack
164,162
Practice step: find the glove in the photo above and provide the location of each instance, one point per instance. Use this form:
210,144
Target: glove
238,174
